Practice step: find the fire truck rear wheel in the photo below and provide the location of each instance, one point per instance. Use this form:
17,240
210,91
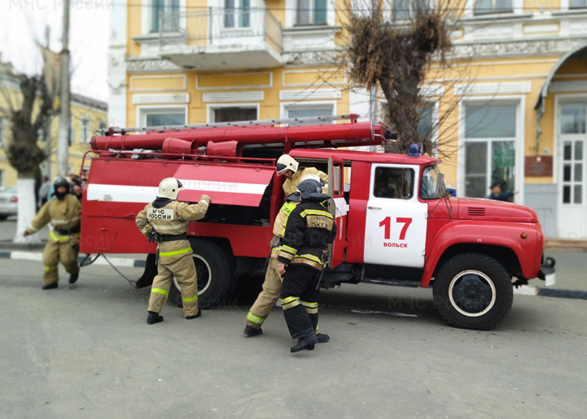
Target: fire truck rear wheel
473,291
214,274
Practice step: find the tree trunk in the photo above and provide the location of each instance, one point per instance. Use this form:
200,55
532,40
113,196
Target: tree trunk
26,207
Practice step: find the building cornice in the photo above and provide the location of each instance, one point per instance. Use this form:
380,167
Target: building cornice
518,48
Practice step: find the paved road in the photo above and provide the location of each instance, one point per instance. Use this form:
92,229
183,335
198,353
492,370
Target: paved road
86,351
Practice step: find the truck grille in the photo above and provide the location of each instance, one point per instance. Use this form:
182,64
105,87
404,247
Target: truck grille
476,211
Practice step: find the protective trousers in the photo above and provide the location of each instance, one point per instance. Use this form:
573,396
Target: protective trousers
269,296
299,300
184,271
58,249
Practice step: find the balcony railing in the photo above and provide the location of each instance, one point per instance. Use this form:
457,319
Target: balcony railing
219,26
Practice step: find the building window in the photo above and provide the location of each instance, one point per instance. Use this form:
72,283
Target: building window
577,4
165,119
168,7
490,148
406,9
311,12
235,114
237,13
71,134
309,111
493,6
1,179
85,130
573,121
3,127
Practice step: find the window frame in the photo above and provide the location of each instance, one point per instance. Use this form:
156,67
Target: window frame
212,107
307,106
85,139
143,111
519,146
493,11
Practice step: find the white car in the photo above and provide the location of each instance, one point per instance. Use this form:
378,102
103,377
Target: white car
8,203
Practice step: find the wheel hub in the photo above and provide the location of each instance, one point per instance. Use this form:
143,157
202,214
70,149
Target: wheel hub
472,293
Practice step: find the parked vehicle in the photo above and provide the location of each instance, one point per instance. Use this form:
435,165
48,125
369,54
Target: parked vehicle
8,203
397,225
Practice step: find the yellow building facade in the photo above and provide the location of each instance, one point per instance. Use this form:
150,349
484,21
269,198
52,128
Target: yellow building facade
510,109
87,116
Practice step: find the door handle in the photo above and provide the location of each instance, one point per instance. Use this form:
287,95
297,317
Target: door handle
375,208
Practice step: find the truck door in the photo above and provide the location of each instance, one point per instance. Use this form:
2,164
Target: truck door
395,230
338,209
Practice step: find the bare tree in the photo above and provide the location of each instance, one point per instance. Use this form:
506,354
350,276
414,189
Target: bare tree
28,109
393,49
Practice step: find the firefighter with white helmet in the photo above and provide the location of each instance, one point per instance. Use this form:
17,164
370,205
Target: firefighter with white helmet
310,228
165,221
288,166
63,212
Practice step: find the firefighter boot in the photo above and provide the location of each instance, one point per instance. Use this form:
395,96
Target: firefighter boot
50,286
305,343
73,277
196,316
154,318
251,331
322,337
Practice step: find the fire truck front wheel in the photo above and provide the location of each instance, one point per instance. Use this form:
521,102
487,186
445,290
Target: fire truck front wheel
213,270
473,291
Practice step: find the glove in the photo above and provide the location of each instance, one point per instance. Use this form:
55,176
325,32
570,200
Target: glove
275,241
153,236
205,198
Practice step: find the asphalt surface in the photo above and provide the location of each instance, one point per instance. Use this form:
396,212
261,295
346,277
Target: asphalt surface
86,351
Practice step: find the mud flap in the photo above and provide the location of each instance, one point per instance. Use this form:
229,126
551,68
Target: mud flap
149,274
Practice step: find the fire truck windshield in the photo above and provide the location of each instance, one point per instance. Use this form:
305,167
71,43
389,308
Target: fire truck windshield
432,184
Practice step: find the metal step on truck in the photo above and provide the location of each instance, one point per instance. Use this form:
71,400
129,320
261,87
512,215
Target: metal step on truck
397,224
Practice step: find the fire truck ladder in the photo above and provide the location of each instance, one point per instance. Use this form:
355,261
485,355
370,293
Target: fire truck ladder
288,121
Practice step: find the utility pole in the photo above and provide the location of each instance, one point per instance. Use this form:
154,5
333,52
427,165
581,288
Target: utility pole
373,93
47,131
65,114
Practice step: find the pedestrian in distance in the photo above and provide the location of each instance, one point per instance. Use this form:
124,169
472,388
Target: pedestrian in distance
310,228
63,212
165,222
44,191
498,195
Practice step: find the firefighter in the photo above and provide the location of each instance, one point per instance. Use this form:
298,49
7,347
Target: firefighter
63,212
165,221
310,228
273,280
272,284
288,166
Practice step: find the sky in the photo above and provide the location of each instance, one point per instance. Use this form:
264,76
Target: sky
22,27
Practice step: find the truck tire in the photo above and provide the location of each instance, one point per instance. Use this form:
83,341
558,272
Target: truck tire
214,274
473,291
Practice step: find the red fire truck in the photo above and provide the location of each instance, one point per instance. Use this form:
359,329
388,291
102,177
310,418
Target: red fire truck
397,224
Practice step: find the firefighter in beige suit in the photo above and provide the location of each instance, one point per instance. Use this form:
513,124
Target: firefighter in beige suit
272,284
286,166
63,212
165,221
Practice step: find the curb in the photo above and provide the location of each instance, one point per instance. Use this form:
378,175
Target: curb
38,257
558,293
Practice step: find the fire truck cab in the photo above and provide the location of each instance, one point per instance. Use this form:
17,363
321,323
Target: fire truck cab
397,224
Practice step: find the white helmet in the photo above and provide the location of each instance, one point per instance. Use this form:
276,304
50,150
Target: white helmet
169,188
285,163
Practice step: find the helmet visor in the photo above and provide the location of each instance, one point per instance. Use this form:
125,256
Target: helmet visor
281,169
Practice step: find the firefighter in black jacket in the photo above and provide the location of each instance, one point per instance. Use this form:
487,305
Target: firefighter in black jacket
310,228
